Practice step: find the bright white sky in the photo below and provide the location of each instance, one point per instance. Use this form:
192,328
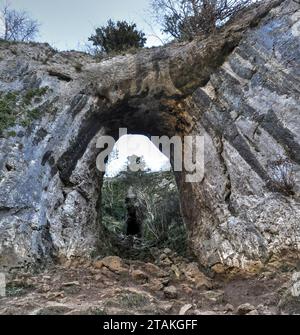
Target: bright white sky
67,24
140,146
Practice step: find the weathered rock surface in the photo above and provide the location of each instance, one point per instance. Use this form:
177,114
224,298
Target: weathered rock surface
245,309
170,292
239,88
74,288
290,300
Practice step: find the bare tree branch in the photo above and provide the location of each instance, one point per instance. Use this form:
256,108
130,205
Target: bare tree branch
18,25
185,19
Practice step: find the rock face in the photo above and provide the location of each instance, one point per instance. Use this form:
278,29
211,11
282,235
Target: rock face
239,89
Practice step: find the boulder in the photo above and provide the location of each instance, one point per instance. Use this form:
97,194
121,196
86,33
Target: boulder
193,274
114,264
170,292
245,309
139,276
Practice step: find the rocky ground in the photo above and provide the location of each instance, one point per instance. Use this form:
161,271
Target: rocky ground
169,285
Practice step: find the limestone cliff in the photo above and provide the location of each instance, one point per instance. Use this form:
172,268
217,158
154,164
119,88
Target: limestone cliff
239,88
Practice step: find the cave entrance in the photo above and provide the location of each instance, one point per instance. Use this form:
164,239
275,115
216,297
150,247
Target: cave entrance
140,207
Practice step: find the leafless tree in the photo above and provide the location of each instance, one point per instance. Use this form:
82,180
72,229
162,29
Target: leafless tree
18,25
185,19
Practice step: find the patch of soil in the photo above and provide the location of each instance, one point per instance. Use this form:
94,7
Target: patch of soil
170,285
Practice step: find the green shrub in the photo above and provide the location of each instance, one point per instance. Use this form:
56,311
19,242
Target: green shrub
118,37
11,133
33,114
14,108
34,93
7,110
158,201
17,289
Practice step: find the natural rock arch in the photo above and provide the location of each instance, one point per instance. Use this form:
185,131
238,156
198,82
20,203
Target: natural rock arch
231,88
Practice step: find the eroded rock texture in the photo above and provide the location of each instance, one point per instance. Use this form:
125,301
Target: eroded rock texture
239,88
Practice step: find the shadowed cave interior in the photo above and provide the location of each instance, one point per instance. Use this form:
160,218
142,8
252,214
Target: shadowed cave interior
140,210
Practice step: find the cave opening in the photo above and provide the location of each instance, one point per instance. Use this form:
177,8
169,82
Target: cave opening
140,204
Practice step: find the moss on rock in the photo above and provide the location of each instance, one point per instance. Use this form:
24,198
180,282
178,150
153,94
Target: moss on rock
15,108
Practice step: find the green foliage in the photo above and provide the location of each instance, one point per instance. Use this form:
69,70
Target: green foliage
7,110
33,114
17,289
118,37
11,133
158,202
15,107
34,93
